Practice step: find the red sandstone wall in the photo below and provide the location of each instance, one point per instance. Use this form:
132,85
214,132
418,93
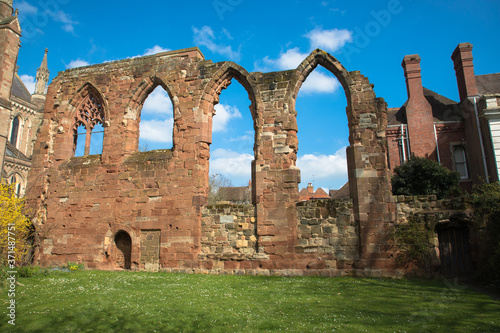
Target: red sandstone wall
82,203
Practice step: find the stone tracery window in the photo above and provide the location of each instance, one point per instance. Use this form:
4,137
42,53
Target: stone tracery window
89,120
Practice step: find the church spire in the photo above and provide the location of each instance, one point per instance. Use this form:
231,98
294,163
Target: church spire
42,76
42,80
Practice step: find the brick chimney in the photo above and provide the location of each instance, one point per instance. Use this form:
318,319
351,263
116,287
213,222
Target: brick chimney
418,111
310,188
464,69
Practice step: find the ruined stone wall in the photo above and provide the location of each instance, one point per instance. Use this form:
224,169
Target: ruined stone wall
159,198
328,227
228,232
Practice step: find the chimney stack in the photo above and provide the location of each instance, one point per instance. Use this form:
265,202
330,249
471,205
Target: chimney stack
464,69
310,188
419,116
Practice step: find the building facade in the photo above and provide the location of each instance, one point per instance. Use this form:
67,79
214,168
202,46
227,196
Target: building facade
20,112
463,136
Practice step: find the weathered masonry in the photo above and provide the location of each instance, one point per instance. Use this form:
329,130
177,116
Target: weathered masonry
147,210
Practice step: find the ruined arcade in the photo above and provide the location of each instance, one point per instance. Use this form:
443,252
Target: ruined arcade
148,210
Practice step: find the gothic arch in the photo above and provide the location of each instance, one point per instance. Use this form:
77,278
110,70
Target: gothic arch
221,80
136,102
77,99
141,93
19,130
319,57
88,98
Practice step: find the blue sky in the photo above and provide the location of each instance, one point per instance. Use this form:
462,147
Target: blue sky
369,36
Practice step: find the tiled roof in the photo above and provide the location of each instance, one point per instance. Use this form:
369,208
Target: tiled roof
488,84
343,193
13,152
19,89
235,194
443,109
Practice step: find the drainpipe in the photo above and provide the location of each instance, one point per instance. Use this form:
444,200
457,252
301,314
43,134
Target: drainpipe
437,144
474,99
403,143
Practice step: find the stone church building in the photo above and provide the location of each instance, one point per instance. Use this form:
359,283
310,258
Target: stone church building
127,209
21,113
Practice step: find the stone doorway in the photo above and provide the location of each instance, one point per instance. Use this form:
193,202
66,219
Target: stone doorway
123,243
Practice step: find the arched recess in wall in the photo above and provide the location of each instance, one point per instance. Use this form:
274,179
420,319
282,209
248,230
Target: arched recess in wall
15,131
90,117
232,137
154,108
322,162
18,182
123,243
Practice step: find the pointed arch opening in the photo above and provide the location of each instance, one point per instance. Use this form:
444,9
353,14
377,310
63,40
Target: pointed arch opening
156,119
88,123
123,243
232,135
323,130
15,131
18,182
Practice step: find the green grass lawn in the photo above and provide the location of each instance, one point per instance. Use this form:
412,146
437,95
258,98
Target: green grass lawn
94,301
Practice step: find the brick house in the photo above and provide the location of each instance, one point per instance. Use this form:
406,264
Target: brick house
463,136
308,193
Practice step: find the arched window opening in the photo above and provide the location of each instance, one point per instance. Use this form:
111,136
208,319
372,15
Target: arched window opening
123,243
14,133
157,122
461,162
323,135
16,181
232,149
88,130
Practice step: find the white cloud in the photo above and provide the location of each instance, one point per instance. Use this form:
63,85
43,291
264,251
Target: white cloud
223,114
287,60
241,138
318,82
65,19
158,103
25,8
77,63
329,40
231,163
157,130
29,81
154,50
323,166
206,37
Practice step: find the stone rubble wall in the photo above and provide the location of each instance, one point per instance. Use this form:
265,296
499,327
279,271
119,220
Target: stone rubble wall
328,226
228,231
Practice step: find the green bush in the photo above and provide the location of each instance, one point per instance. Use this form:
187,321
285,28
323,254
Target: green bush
486,202
414,247
420,176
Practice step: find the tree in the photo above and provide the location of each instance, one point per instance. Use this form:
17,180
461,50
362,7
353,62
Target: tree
215,182
421,176
14,226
